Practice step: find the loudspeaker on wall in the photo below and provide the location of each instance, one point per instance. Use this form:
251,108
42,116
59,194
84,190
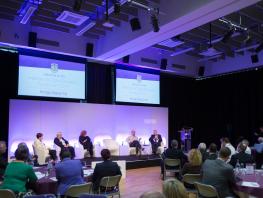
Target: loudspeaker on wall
201,71
89,49
164,63
126,59
135,24
254,58
32,39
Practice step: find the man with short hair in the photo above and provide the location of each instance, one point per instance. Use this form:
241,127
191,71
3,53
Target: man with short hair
155,140
242,157
104,169
219,174
173,153
133,141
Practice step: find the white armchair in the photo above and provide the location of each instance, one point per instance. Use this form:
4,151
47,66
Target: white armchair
112,145
161,148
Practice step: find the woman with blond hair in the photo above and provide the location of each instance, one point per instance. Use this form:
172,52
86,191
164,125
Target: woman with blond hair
172,188
194,164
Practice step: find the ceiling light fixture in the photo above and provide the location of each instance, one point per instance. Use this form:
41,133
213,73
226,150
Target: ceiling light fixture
27,10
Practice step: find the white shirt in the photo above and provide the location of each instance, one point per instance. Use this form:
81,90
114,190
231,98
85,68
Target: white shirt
232,149
131,138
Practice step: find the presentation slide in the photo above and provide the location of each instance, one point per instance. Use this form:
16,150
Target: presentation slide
101,121
137,87
51,78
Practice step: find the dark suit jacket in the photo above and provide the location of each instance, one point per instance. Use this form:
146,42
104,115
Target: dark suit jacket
159,139
68,172
59,143
242,157
212,156
220,175
85,141
104,169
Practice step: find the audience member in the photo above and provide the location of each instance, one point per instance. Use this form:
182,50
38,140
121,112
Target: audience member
64,145
248,149
202,149
226,143
259,153
104,169
242,157
173,153
39,144
212,154
172,188
68,172
18,173
3,160
219,174
86,142
133,141
193,166
155,140
152,194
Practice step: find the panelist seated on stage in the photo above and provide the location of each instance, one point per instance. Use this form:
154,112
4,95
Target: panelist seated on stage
68,172
42,151
104,169
64,144
86,142
156,141
133,141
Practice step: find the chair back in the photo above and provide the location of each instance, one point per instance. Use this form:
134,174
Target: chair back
7,193
206,190
191,178
172,162
76,190
41,196
92,196
110,181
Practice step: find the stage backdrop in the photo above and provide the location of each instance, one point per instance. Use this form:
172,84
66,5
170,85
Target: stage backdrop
27,117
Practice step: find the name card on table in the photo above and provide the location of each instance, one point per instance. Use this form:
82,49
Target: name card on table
250,184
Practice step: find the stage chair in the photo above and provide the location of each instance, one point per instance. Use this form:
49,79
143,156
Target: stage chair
76,190
173,163
110,182
112,145
160,149
206,190
190,179
7,193
42,155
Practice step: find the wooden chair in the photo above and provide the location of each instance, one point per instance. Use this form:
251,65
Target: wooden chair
76,190
206,190
190,179
7,193
172,163
110,182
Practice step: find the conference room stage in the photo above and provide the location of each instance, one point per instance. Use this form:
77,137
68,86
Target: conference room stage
101,121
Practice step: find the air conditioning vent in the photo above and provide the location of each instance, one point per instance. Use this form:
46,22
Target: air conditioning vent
179,66
147,60
72,18
210,52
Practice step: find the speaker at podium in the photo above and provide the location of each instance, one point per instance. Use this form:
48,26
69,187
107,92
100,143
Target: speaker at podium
186,138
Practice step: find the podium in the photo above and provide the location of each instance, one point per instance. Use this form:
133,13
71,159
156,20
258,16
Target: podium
186,138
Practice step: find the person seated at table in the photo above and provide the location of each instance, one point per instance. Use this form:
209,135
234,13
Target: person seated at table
18,173
3,160
193,166
155,140
242,157
39,145
202,148
85,141
259,153
173,153
68,172
226,143
219,173
173,188
246,143
104,169
64,145
133,141
31,159
212,153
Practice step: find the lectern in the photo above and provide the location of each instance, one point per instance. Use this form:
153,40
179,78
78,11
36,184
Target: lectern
185,134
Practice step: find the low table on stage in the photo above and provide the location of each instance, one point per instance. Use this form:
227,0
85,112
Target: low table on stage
48,184
250,184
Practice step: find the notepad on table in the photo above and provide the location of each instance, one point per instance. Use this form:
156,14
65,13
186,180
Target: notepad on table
250,184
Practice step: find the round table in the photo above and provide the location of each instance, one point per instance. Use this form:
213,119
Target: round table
48,184
257,177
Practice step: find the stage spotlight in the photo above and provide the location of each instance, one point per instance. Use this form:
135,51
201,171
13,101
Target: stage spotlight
155,23
259,48
77,5
228,35
117,7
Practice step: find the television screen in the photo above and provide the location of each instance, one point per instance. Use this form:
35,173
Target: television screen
137,87
51,78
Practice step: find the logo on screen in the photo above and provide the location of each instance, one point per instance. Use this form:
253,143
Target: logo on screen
139,78
54,67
